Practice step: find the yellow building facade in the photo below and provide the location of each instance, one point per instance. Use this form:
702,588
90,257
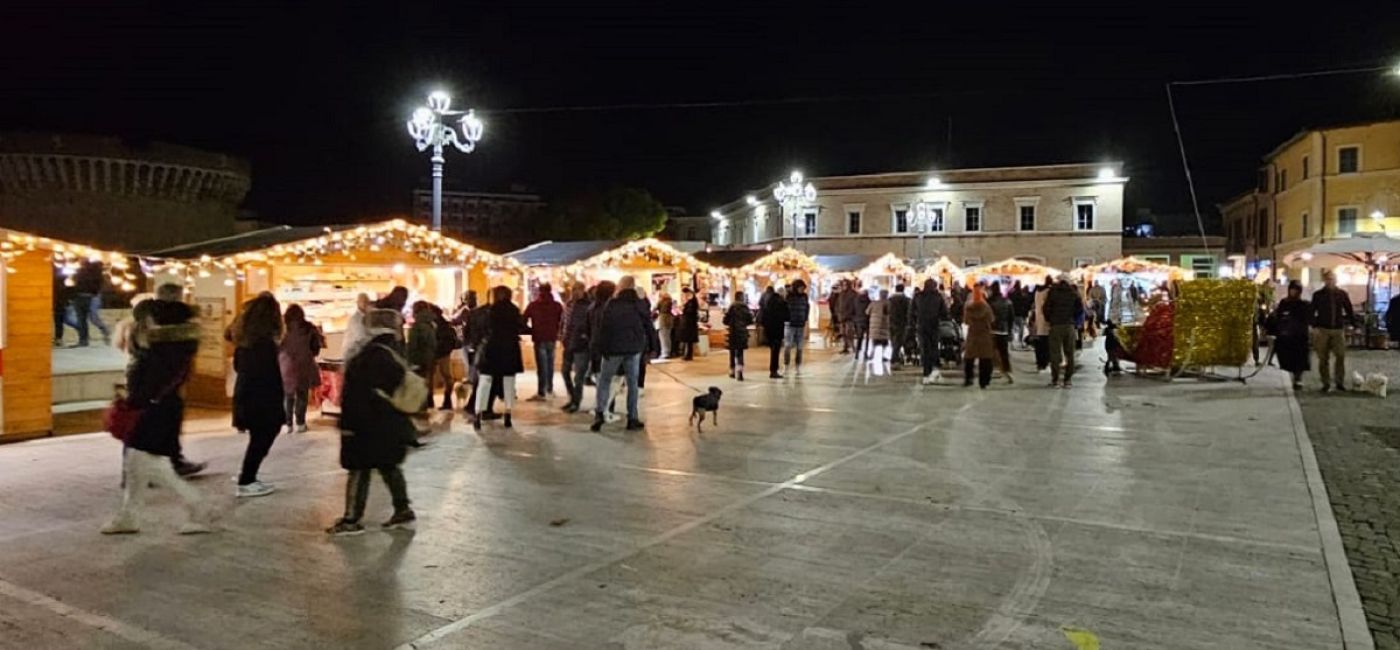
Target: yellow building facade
1319,185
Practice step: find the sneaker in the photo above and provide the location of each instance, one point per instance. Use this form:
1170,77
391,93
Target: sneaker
476,424
597,424
120,527
1341,388
1326,388
255,489
611,417
774,375
741,376
506,420
1054,383
1067,384
569,408
490,415
1010,379
187,468
536,398
635,425
343,528
302,428
1297,385
405,520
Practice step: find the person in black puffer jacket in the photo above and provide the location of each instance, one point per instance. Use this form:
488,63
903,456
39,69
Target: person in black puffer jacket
500,357
576,356
774,318
1062,307
795,333
153,385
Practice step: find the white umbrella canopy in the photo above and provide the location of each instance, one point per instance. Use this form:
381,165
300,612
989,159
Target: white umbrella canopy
1366,248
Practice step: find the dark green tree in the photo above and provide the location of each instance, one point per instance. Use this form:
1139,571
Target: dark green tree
617,213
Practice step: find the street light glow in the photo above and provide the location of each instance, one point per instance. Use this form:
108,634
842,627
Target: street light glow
752,200
792,195
935,182
716,214
429,131
1106,174
1378,215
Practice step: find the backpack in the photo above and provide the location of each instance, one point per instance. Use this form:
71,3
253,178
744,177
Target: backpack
411,393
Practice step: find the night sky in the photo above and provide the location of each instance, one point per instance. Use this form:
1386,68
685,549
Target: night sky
316,95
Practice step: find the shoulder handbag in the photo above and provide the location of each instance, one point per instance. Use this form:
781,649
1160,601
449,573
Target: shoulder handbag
121,416
411,393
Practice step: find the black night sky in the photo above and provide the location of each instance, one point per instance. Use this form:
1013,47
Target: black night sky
316,95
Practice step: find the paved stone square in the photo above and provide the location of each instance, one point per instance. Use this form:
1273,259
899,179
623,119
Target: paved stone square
843,509
1357,438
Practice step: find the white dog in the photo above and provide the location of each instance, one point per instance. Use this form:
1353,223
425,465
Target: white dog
1374,383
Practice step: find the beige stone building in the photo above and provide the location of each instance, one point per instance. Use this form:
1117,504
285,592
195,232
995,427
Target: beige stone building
1061,215
1318,185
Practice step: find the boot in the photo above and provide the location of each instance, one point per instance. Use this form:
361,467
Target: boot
739,373
597,423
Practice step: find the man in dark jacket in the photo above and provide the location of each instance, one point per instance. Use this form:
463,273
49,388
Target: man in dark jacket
446,336
153,388
774,319
795,333
1331,313
576,354
899,324
1062,308
621,334
849,305
929,310
1021,304
543,316
374,435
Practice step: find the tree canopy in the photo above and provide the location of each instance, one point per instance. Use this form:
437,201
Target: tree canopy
616,213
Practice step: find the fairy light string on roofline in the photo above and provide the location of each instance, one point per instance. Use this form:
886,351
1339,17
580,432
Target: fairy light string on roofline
68,258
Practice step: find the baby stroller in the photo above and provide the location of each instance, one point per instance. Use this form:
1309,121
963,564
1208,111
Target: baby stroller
950,343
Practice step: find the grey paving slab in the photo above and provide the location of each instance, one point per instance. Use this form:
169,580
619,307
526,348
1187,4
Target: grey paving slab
840,509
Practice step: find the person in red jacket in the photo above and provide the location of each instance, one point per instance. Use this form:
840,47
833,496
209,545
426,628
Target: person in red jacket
543,316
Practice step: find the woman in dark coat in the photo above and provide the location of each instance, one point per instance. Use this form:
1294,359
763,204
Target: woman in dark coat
1289,327
775,318
500,358
297,357
689,333
738,319
257,394
374,435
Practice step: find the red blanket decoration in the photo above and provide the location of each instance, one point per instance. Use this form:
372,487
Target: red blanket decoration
1154,346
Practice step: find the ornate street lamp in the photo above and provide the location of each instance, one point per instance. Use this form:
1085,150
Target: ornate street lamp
792,195
430,131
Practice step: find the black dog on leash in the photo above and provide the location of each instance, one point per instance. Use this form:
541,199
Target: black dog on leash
705,403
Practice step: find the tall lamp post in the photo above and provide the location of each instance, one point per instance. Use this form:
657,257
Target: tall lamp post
430,130
791,195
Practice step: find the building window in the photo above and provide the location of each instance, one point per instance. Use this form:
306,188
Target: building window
1282,180
690,233
1348,160
1027,217
901,220
1305,224
1305,167
1346,220
1263,180
1263,228
1204,266
972,218
853,222
969,262
809,223
1083,215
935,219
1081,262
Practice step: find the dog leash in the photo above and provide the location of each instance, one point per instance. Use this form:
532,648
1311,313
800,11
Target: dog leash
657,368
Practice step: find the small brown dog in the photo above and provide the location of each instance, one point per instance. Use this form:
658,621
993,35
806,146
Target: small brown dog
705,403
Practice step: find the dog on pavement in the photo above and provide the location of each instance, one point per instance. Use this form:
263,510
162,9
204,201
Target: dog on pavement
703,403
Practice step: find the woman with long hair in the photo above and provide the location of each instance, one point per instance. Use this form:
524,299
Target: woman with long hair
258,397
500,358
297,357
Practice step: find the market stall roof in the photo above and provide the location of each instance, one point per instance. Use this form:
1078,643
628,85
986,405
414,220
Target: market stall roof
68,256
309,243
562,253
1133,266
1363,248
1012,266
943,265
581,254
732,259
845,263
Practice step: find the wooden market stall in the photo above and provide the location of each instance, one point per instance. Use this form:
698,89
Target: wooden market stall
1011,270
1130,283
323,269
753,271
943,271
27,365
